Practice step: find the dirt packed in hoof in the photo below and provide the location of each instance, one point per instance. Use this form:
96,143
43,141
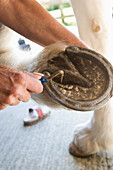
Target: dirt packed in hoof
84,78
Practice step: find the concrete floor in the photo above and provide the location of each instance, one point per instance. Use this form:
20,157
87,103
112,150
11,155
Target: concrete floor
44,146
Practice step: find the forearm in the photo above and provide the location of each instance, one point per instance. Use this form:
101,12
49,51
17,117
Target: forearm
30,19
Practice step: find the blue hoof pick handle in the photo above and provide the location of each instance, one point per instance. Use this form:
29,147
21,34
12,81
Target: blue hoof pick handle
43,80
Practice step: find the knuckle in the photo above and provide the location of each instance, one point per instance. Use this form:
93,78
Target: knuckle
28,98
2,106
9,92
8,100
20,78
12,91
15,103
15,91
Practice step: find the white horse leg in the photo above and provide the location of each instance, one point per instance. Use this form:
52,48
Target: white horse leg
10,53
94,24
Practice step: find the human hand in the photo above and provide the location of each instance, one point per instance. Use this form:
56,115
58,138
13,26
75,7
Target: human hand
16,85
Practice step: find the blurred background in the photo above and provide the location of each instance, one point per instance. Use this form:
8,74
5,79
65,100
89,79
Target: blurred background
62,10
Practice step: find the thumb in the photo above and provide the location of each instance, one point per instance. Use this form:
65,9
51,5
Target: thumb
33,84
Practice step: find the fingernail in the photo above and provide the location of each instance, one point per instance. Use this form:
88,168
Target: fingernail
39,74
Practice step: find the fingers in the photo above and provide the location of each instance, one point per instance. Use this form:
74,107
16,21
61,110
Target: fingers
35,74
14,99
28,81
2,106
24,97
15,86
9,100
33,84
38,74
